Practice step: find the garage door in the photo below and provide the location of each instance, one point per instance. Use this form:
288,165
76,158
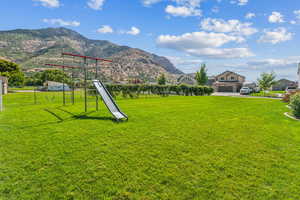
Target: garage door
225,89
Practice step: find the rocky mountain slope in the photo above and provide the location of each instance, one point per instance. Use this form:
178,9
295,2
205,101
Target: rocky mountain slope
33,48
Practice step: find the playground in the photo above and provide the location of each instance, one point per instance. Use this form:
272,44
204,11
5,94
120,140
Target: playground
171,148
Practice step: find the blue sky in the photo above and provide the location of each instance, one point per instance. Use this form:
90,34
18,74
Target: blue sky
245,36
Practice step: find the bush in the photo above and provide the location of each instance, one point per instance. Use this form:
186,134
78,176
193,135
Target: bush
295,105
286,98
133,91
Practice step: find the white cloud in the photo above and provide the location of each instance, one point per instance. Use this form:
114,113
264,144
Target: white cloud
133,31
182,11
219,53
188,3
239,2
204,44
49,3
275,36
275,63
95,4
250,15
105,29
61,22
284,67
293,22
150,2
181,8
231,26
184,61
242,2
276,17
297,13
186,64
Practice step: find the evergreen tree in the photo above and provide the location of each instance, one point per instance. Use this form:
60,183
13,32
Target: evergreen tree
201,75
162,80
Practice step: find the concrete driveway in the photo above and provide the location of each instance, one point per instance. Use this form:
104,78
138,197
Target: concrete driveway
226,94
229,94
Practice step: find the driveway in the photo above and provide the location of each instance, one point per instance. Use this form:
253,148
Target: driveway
226,94
230,94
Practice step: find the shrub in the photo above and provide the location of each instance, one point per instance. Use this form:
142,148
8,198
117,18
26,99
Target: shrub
295,104
286,98
133,91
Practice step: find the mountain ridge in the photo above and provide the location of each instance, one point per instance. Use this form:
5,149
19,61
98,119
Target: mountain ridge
31,47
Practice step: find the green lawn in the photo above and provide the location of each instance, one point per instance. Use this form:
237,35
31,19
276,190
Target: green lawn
171,148
21,88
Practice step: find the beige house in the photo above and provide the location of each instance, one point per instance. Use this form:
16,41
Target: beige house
228,82
186,79
4,84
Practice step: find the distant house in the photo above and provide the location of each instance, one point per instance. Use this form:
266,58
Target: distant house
186,79
4,84
282,84
211,80
228,82
56,86
251,85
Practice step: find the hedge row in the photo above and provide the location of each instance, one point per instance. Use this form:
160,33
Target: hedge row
133,91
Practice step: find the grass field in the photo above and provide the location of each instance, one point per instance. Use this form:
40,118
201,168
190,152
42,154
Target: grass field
171,148
21,88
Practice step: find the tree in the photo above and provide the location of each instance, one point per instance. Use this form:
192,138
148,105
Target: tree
13,72
162,80
48,75
266,80
201,75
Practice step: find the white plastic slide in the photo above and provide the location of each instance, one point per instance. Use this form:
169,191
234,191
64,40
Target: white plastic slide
109,101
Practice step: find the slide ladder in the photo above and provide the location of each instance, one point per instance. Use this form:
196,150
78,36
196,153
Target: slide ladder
109,101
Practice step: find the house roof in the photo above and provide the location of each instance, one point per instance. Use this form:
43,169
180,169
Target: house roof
285,80
230,72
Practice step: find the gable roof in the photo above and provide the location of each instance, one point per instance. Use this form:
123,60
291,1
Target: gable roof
231,73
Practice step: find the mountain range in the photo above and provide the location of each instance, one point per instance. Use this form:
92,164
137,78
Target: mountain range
31,49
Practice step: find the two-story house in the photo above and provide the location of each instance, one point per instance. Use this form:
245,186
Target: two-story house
228,82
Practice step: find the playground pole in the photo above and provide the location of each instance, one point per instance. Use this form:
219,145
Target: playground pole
73,85
34,95
64,94
1,101
97,99
85,85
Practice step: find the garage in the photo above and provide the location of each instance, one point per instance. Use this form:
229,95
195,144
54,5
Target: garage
225,89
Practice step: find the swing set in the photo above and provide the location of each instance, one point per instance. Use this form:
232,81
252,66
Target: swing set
100,87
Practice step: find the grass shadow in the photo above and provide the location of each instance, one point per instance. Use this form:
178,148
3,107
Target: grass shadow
55,115
85,116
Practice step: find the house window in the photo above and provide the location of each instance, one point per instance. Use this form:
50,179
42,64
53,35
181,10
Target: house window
222,78
232,78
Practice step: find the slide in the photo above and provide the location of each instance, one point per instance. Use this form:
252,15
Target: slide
109,101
